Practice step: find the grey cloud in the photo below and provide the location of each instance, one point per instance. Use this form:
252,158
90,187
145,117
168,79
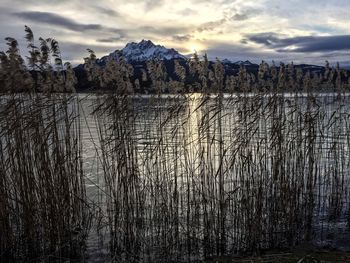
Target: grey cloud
187,12
75,52
209,26
163,31
110,39
106,11
303,43
80,47
240,17
233,51
152,4
148,5
243,14
318,43
54,19
47,18
267,39
182,38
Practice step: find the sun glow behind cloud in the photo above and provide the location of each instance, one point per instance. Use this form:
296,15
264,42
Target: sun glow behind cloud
222,28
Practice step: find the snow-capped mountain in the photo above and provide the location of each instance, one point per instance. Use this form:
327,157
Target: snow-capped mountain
143,51
243,63
239,62
146,50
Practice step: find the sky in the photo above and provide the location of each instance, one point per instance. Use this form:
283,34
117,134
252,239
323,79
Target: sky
302,31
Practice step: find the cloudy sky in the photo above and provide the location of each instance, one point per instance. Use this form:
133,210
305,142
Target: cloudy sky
309,31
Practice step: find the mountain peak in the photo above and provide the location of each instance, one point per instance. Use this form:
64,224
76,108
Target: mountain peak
146,50
146,43
142,44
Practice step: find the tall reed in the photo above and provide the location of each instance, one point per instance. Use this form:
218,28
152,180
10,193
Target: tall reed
43,210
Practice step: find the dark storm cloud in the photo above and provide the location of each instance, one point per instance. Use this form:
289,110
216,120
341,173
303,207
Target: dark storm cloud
267,39
57,20
303,43
319,43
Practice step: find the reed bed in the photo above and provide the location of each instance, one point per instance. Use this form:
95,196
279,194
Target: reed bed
237,168
192,176
271,174
43,208
44,214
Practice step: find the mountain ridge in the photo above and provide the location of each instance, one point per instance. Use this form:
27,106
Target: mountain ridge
146,50
143,51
